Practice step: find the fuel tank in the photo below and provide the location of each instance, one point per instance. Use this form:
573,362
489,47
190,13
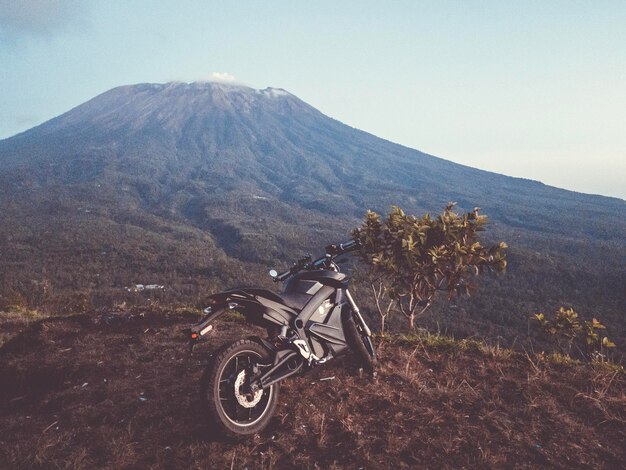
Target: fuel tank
304,285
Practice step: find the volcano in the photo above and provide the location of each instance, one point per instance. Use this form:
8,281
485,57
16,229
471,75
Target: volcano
196,186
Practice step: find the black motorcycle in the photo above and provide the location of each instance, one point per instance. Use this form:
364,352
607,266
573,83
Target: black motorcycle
314,320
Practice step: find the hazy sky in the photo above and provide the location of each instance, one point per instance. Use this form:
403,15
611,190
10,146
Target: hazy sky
524,88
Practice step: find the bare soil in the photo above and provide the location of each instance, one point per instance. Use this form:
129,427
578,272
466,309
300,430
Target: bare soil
120,390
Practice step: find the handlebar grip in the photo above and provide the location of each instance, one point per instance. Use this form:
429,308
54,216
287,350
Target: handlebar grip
348,246
342,248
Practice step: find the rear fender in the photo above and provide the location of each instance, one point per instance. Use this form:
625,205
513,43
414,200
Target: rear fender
205,326
240,301
263,342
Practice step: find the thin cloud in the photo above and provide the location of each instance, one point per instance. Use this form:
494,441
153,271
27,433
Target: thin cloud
222,77
41,18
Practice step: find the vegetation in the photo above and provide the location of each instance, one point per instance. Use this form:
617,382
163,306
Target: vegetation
570,334
411,259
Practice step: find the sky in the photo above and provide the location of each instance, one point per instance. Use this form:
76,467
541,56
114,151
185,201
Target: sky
534,89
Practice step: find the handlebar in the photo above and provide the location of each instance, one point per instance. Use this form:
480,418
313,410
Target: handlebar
282,276
332,251
342,248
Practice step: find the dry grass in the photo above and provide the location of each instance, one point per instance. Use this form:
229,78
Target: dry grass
14,318
435,403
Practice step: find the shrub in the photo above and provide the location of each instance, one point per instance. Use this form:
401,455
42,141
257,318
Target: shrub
570,334
410,259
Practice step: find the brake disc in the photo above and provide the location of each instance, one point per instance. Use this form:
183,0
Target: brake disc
244,399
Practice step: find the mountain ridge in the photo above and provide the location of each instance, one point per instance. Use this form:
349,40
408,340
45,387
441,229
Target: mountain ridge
49,126
96,103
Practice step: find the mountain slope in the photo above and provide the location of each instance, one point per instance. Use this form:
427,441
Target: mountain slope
269,139
183,184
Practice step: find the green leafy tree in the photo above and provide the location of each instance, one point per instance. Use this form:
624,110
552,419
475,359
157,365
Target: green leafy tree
410,259
568,331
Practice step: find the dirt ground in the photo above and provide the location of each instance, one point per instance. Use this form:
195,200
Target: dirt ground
120,390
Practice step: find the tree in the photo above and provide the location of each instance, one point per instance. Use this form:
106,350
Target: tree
410,259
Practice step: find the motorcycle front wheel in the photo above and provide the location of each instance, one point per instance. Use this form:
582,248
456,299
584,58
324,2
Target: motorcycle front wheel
360,343
231,407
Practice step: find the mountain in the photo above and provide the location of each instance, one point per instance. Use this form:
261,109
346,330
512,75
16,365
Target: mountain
197,186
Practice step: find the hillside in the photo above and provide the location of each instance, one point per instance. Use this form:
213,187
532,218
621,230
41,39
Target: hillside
118,389
201,186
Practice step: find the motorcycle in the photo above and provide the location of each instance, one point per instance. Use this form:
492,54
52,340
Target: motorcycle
314,320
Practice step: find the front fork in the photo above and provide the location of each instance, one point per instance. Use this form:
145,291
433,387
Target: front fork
357,313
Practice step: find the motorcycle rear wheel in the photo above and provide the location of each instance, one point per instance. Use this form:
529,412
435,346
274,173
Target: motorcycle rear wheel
234,412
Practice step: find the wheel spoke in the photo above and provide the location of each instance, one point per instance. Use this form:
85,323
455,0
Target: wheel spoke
238,412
